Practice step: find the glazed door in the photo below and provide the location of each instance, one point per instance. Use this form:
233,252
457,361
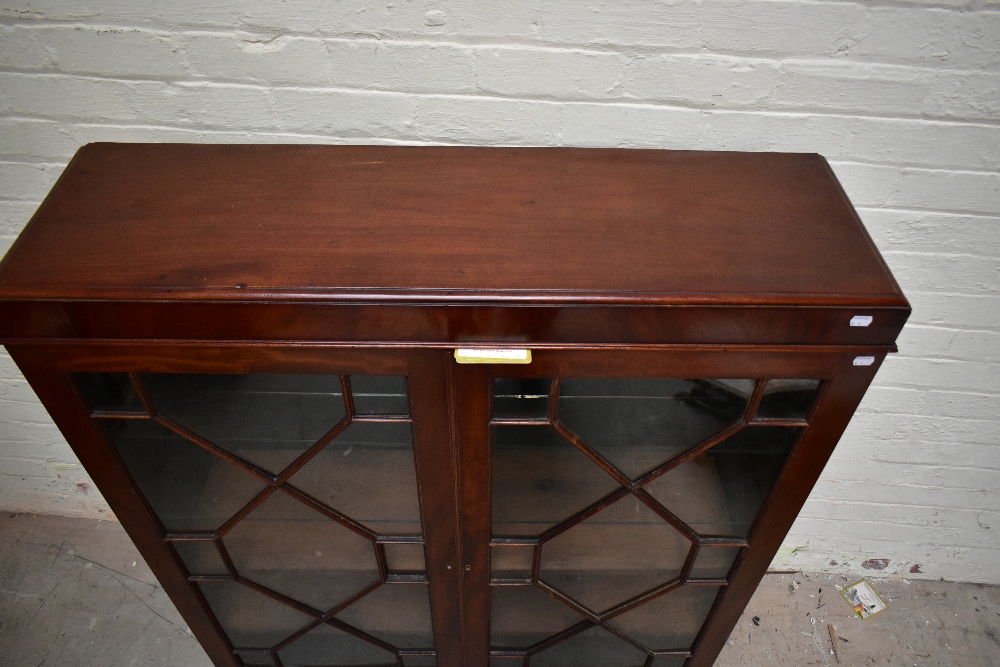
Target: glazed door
322,506
626,493
282,487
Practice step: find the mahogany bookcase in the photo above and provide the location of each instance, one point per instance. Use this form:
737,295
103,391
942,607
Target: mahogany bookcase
254,352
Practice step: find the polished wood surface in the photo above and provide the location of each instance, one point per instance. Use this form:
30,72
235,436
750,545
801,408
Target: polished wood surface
440,224
314,243
445,325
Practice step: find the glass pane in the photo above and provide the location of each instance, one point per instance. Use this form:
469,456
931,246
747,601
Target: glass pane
268,420
294,550
721,491
620,552
496,661
540,479
368,474
520,398
251,620
404,558
200,557
326,645
671,621
257,660
109,392
787,399
379,395
511,561
595,647
419,661
522,616
639,423
714,562
669,661
713,394
188,488
399,614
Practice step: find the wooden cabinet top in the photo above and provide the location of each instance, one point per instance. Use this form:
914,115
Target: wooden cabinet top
311,243
444,224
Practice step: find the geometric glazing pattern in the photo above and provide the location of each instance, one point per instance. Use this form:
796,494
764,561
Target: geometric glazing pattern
280,494
625,504
539,479
719,491
587,562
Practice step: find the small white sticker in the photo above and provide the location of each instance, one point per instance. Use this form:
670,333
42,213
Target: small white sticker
861,320
864,361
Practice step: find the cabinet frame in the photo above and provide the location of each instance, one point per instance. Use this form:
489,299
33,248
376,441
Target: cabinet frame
450,410
383,259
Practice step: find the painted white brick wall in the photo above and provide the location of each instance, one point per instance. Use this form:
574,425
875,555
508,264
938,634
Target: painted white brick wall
903,97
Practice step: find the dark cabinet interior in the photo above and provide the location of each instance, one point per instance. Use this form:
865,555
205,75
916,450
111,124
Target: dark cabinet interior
251,349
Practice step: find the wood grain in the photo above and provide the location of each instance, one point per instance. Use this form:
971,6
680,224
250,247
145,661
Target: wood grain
241,222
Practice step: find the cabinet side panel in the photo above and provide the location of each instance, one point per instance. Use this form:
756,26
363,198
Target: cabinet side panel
60,399
828,420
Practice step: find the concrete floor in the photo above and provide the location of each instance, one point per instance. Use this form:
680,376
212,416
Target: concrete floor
75,592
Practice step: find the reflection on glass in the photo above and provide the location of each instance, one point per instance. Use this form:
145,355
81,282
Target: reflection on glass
595,647
511,561
379,395
404,558
712,394
522,616
397,613
721,491
620,552
496,661
787,399
714,562
327,646
188,488
368,474
671,621
540,479
520,398
109,392
249,619
200,557
639,423
292,549
266,419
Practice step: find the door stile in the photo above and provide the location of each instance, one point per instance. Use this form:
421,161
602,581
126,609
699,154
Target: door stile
432,409
472,416
60,399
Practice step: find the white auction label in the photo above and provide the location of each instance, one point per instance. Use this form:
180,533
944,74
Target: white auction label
861,320
864,361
